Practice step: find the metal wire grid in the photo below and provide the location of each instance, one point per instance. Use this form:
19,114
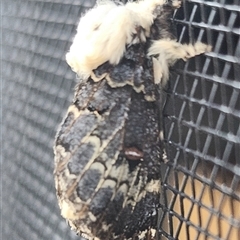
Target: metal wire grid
201,118
201,187
37,89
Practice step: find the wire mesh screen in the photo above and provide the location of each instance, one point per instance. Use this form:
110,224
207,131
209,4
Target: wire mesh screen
201,182
201,187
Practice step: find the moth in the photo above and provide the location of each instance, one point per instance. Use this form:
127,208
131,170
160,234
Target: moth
109,148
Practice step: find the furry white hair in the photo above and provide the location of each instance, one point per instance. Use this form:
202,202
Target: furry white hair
104,31
168,51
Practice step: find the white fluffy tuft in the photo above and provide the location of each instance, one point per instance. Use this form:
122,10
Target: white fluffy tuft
168,51
104,32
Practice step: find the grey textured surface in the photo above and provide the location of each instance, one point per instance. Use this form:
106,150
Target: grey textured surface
37,88
202,113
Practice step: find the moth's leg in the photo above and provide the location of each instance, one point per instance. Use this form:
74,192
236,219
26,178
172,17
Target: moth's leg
160,70
168,51
173,50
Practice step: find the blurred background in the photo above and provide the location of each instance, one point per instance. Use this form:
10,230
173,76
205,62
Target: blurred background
201,182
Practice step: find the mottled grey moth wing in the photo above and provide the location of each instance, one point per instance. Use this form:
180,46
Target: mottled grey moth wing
108,152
